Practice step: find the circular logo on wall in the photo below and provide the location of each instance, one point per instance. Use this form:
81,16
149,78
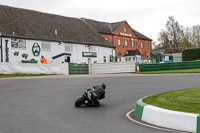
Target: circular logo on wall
36,49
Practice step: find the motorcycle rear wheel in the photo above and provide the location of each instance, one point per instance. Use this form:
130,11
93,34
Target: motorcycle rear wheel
79,101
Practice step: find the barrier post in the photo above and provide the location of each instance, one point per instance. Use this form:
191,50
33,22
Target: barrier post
138,68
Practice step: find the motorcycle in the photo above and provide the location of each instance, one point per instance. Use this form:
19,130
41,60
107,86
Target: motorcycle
84,100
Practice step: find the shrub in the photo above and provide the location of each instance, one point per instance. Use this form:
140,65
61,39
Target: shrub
191,54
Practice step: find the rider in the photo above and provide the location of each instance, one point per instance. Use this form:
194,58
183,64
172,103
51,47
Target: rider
97,93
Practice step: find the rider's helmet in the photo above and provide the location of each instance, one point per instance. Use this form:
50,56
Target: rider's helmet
103,85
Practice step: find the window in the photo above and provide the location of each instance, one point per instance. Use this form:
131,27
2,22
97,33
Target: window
119,42
142,46
126,43
125,30
104,58
18,43
147,46
126,58
46,45
129,58
68,48
67,58
120,57
132,43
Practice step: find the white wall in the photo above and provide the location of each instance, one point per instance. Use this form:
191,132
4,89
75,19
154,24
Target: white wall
56,48
102,51
30,68
118,67
170,119
137,59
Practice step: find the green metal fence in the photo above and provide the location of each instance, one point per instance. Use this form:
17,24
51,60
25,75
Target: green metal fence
156,58
78,68
169,66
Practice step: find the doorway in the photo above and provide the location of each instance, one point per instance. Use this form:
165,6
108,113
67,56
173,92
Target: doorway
67,59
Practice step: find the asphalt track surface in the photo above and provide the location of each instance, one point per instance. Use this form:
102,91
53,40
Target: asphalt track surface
46,105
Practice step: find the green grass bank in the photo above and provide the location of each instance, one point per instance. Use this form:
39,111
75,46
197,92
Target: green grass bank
22,75
186,100
171,71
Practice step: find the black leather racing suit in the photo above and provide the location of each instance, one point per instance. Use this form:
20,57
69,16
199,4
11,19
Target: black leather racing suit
98,93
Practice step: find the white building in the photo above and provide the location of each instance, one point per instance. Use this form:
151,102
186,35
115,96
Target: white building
133,55
26,35
169,54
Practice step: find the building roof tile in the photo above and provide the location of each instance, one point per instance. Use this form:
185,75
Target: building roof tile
31,24
111,28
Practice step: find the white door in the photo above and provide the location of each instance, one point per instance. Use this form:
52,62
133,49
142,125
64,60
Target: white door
89,61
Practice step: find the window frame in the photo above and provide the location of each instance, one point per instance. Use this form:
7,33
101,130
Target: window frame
132,44
125,29
119,42
13,40
70,46
142,45
44,45
126,58
126,43
129,58
147,46
104,59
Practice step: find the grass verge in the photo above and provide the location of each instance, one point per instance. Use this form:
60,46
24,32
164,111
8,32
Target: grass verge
172,71
186,100
22,75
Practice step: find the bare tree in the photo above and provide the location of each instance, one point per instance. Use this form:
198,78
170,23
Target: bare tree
186,40
176,35
164,39
196,35
171,37
175,32
154,45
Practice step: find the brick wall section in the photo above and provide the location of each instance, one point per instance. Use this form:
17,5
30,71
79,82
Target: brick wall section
121,49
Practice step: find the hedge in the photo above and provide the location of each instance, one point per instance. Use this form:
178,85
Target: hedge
191,54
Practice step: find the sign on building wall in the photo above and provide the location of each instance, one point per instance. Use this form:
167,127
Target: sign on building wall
125,34
89,54
36,49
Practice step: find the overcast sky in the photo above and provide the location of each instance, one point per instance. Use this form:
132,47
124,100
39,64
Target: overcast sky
145,16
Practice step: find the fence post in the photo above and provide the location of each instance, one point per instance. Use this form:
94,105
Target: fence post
89,67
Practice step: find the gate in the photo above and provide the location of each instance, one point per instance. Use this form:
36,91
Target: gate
117,67
78,68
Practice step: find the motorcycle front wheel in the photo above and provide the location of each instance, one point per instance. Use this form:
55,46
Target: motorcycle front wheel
79,101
